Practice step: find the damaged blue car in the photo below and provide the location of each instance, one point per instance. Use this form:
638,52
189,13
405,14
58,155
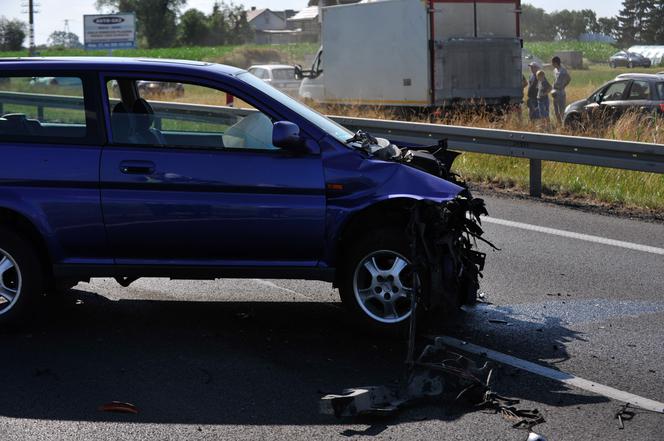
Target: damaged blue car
226,178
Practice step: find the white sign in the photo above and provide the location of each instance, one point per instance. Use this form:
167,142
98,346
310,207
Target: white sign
111,31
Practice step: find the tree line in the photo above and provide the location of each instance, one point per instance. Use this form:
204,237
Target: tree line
638,22
159,23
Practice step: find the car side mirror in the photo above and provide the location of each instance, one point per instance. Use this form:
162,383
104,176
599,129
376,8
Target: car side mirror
286,135
298,72
598,98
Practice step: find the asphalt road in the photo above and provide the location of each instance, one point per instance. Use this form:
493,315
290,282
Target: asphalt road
249,359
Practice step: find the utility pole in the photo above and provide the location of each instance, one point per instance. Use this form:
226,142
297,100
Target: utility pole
31,20
30,4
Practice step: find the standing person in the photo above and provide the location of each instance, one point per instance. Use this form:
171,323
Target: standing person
531,93
560,81
543,89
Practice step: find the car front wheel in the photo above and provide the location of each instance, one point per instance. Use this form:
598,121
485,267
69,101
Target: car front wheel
21,277
376,280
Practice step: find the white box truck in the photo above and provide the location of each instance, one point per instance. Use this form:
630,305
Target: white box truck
414,53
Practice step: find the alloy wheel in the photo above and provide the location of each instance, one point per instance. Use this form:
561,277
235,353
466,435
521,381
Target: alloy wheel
382,284
10,282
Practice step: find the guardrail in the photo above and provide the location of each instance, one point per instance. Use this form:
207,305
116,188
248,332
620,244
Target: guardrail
627,155
536,147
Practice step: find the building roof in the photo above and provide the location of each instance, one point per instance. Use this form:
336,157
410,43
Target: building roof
309,13
253,13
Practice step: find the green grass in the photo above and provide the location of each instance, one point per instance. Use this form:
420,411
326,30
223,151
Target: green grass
592,51
628,188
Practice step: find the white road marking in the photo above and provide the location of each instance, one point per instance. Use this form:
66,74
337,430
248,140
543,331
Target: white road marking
563,377
572,235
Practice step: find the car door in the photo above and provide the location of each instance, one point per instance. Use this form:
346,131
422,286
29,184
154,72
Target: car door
640,97
607,104
201,183
50,146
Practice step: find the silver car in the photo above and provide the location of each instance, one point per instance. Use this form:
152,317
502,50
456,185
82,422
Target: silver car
279,76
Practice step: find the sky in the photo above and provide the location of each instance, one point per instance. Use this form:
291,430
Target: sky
53,13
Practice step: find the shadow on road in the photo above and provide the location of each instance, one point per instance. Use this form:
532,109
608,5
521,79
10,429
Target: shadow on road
222,362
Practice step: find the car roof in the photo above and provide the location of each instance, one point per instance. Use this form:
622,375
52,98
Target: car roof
640,76
117,63
272,66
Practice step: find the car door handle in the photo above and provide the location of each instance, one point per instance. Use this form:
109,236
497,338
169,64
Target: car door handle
137,167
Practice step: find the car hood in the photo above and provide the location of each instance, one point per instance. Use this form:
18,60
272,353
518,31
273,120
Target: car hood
578,104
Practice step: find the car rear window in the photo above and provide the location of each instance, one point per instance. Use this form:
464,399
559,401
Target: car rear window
42,107
283,74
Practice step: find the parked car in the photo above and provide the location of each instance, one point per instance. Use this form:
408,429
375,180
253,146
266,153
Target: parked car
279,76
629,59
55,81
122,186
636,92
155,88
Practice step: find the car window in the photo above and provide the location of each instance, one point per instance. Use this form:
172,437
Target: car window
259,72
332,128
615,91
640,90
42,107
283,74
168,114
660,90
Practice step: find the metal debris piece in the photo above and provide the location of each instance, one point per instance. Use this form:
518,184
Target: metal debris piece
437,374
624,415
118,406
532,436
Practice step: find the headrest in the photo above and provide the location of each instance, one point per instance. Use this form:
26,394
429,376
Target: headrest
143,114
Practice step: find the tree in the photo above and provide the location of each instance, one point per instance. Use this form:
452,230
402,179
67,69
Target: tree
653,32
590,22
155,19
536,24
218,28
239,29
193,28
632,20
569,24
12,34
609,26
64,39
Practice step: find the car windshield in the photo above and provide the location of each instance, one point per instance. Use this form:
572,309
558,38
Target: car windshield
283,74
335,130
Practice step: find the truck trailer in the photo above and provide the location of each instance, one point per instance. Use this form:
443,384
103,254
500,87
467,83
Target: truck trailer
418,54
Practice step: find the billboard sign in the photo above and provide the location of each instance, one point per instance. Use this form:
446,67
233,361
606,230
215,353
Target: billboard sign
109,31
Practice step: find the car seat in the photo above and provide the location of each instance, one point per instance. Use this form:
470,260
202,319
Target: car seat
121,124
143,118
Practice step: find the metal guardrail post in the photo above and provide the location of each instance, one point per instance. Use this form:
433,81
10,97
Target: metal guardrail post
536,178
40,113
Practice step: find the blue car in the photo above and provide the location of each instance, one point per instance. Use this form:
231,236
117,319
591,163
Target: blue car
231,178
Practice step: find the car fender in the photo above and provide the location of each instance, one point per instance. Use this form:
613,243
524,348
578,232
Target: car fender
11,201
362,183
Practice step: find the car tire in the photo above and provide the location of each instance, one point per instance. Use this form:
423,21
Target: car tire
21,278
573,122
375,283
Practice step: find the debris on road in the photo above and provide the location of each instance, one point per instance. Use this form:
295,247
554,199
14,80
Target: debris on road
532,436
119,407
624,415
